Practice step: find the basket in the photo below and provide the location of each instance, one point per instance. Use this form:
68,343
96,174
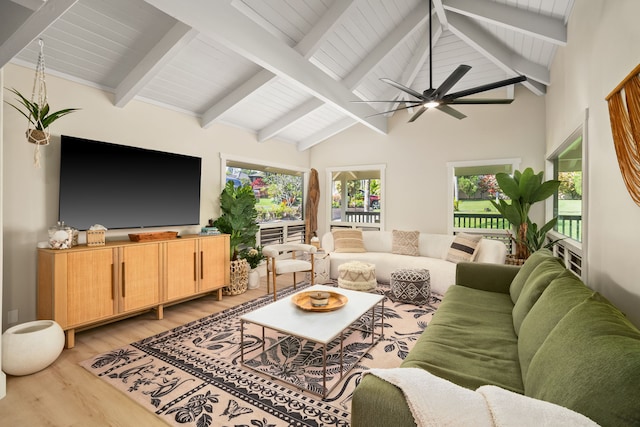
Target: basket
512,260
239,278
95,237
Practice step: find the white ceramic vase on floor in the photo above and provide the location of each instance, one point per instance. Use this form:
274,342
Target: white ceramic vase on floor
30,347
254,279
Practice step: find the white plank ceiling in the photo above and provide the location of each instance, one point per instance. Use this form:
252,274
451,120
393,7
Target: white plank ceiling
284,69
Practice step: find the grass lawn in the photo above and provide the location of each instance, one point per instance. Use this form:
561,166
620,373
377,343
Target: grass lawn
566,207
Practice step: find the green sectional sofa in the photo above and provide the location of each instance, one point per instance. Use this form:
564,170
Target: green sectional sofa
536,330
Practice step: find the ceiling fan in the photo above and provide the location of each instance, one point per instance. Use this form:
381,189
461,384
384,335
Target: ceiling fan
440,98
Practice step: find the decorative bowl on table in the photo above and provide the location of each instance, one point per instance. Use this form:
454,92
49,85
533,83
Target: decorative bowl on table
319,301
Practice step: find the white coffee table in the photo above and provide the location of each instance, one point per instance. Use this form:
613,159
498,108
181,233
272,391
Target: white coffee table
319,327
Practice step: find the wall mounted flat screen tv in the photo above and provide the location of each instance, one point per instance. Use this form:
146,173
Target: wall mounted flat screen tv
126,187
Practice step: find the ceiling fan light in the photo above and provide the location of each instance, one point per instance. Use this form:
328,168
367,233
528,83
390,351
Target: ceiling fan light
431,104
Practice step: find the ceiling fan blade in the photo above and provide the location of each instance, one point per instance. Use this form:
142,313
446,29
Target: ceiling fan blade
484,88
395,100
402,88
397,109
451,111
479,101
417,114
453,78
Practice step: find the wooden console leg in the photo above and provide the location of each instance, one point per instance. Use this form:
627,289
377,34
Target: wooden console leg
219,294
69,338
159,312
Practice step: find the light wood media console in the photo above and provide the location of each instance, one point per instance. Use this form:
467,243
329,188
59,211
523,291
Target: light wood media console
86,286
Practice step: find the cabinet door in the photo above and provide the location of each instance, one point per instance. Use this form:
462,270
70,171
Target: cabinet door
140,276
214,262
182,274
90,286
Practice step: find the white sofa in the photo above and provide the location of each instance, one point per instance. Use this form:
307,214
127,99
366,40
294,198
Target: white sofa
433,250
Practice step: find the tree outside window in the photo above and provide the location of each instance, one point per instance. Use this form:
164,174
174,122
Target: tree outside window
279,195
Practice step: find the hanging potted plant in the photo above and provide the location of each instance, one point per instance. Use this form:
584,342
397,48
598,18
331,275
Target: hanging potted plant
39,116
524,189
238,219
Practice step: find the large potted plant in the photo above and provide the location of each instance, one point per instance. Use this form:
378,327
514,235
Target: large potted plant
238,220
40,117
525,189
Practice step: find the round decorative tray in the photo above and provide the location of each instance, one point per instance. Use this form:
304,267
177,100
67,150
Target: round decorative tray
303,300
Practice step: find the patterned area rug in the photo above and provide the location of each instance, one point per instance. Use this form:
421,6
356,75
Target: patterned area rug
192,375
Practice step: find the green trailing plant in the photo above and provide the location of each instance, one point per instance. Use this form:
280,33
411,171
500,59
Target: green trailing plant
40,117
238,217
524,189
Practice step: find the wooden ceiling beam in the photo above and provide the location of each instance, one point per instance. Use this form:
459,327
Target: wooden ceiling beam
406,28
148,67
306,47
32,27
542,27
476,37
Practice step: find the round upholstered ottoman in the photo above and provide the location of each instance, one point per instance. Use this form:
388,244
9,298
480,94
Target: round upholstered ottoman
357,276
412,286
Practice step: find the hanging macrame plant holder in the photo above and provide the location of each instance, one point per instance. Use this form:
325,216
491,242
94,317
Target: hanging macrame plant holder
38,96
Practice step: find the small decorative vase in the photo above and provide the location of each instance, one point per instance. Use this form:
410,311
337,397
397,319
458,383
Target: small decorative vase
254,279
238,279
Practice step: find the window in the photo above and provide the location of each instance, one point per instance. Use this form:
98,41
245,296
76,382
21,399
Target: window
279,192
567,203
566,164
472,187
357,196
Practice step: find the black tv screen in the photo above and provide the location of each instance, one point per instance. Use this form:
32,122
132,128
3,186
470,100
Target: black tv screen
126,187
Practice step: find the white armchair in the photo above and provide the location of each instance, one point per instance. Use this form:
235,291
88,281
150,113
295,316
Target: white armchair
284,258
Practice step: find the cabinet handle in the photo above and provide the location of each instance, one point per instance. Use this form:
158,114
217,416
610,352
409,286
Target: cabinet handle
195,268
201,265
124,285
113,285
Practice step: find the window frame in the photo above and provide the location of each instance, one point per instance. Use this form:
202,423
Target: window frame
381,168
268,231
571,251
451,166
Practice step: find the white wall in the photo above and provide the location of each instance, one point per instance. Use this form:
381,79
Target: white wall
416,155
3,377
31,195
602,49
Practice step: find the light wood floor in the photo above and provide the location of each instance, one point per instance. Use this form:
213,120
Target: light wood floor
65,394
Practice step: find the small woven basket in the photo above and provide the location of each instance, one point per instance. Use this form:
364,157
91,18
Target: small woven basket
238,279
95,237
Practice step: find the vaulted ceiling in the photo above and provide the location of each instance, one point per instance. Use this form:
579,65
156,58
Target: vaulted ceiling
284,69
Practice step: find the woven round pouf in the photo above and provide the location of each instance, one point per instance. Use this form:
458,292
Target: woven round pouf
357,276
412,286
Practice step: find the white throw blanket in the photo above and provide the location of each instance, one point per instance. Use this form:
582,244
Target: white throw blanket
435,401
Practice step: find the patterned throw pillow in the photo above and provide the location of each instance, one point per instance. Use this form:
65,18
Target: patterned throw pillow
405,242
348,241
463,247
410,286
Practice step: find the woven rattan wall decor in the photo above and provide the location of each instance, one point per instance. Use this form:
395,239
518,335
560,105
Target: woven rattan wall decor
624,114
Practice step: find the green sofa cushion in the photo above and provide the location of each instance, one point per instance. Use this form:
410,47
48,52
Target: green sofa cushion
529,265
563,293
470,341
536,283
590,363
